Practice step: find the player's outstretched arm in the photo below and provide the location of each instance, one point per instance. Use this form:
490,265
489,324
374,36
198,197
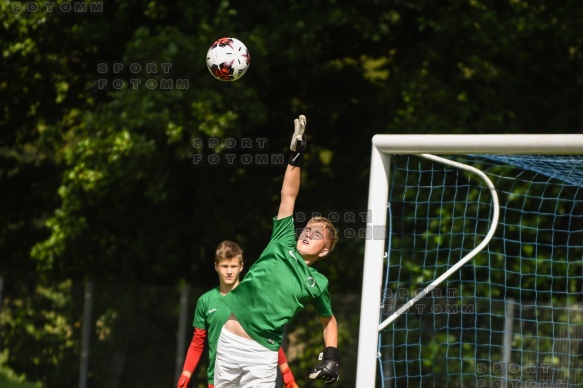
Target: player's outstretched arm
327,369
289,191
291,179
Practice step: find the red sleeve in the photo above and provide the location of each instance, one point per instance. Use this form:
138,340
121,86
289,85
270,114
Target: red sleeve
194,350
281,359
288,377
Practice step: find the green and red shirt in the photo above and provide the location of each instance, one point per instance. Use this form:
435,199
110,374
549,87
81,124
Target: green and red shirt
210,315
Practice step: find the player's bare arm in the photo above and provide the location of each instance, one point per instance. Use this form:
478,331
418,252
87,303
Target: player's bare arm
291,179
330,331
289,191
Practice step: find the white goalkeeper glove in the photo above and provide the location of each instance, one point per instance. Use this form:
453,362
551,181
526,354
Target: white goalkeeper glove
298,142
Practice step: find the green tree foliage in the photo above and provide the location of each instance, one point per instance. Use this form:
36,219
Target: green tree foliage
99,182
117,184
41,332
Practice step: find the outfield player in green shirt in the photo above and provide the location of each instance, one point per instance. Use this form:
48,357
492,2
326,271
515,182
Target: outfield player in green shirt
277,286
211,314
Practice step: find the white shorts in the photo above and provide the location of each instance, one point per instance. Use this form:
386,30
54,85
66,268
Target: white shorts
243,363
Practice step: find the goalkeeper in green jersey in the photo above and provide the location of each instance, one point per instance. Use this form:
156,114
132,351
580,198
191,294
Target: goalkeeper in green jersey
211,314
277,286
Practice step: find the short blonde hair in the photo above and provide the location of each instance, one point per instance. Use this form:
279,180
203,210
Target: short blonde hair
332,231
228,250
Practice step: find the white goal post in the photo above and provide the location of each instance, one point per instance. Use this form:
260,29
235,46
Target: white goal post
382,147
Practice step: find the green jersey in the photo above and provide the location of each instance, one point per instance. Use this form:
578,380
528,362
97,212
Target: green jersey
210,315
277,286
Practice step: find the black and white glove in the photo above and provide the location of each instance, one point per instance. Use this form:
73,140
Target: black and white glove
298,142
327,370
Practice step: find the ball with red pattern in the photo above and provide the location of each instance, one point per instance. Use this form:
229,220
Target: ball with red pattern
228,59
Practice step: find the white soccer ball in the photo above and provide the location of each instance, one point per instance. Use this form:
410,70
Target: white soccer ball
228,59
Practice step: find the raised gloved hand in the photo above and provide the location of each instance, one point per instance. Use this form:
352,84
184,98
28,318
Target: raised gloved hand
327,370
298,142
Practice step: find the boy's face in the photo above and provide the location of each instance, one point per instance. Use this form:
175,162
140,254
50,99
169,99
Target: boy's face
313,240
229,270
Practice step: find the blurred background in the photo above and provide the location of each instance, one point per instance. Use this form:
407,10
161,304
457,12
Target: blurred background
117,149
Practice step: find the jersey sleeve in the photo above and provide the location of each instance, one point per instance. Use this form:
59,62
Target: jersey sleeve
200,320
323,304
194,350
284,231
